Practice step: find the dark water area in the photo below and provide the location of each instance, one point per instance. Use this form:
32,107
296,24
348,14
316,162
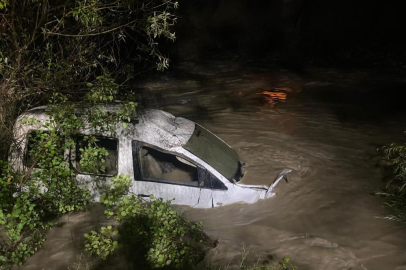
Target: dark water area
325,124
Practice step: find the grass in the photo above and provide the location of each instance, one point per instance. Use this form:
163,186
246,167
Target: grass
82,263
395,191
284,264
85,262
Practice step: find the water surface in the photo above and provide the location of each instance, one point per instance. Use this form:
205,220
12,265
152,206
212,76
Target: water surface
324,124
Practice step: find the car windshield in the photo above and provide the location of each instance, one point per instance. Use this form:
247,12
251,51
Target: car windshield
215,152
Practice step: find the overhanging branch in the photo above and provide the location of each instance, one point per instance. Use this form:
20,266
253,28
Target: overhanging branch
89,35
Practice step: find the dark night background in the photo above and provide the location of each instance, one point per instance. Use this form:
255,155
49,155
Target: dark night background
292,33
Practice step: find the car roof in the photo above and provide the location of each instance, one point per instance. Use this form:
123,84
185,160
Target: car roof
163,129
155,127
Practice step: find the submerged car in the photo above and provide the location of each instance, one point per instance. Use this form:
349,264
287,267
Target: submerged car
166,156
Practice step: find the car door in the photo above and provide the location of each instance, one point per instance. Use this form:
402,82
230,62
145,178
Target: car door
170,176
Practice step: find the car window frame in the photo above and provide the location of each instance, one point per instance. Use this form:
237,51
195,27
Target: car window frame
72,159
27,143
25,155
138,174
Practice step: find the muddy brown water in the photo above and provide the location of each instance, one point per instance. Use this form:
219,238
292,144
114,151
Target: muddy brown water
324,124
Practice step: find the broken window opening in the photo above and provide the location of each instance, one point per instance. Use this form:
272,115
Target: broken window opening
33,140
110,161
160,166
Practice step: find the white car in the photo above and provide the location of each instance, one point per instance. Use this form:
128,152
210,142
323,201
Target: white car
168,157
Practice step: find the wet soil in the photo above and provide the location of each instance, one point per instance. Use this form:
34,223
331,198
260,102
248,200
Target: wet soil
324,124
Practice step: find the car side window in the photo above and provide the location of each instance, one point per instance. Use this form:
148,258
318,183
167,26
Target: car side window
154,165
110,161
207,179
159,166
33,138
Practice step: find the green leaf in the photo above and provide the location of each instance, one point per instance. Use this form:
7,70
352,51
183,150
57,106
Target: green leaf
16,212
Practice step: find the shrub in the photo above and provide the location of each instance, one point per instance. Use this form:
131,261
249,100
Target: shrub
154,231
30,198
395,192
